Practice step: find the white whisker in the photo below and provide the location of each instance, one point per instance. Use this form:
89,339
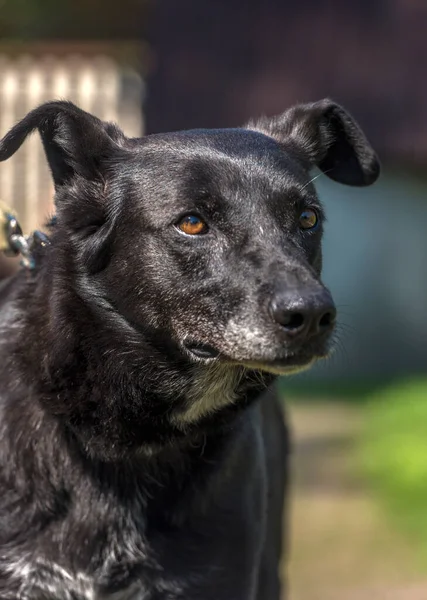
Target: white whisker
312,179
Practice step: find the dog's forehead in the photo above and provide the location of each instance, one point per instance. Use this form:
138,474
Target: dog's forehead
227,156
228,141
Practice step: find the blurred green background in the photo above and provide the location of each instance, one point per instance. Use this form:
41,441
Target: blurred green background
359,420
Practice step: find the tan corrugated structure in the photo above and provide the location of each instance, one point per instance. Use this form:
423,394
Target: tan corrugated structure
99,78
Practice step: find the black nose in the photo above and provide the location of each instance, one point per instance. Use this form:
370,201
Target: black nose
303,313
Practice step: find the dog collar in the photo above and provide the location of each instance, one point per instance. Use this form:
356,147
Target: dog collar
13,242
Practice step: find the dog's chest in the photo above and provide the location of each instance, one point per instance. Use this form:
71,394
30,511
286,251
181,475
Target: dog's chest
40,579
123,563
92,560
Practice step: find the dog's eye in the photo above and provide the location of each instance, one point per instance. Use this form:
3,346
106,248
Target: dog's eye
308,219
192,225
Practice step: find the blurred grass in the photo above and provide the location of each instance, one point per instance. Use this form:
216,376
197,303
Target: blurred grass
393,457
358,391
391,454
391,450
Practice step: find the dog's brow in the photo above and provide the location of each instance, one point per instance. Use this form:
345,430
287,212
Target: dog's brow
295,194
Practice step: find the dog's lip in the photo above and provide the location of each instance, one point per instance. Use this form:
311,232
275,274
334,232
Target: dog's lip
292,363
288,362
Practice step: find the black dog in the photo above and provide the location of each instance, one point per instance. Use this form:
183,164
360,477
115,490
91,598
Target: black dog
182,277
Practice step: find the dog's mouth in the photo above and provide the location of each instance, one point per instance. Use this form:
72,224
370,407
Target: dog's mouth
201,351
288,364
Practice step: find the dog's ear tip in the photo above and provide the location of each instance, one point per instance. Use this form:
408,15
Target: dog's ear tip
374,171
367,173
364,174
371,169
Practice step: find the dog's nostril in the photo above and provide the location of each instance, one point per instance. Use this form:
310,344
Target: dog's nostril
326,320
292,321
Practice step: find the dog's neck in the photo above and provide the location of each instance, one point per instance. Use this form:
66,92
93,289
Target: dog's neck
117,390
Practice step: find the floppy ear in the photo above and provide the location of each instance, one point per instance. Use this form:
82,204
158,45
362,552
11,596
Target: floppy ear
77,146
75,142
325,135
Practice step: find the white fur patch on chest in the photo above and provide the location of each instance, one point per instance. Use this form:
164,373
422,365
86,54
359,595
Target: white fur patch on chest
213,388
42,580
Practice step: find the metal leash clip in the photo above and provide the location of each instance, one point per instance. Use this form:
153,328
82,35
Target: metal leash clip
13,242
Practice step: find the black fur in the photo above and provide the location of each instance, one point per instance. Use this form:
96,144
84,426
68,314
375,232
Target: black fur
135,461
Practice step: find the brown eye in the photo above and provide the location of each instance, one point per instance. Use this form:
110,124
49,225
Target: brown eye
308,219
192,225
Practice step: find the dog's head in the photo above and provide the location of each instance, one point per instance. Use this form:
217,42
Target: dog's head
210,239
